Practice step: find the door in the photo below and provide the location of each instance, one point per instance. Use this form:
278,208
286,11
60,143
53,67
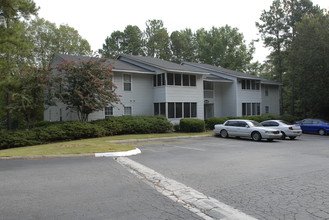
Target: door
208,111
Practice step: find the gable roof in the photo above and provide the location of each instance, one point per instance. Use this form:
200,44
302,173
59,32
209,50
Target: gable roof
228,72
117,65
161,64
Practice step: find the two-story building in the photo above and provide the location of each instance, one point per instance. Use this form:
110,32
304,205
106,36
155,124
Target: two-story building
152,86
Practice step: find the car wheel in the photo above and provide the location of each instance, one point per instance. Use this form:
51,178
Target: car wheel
223,134
322,132
256,136
283,137
292,138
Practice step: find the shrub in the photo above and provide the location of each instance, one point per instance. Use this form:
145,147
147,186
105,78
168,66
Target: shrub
134,125
10,139
192,125
68,131
211,122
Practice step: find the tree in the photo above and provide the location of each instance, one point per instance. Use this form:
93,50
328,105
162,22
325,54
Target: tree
308,67
133,40
183,46
70,42
13,46
223,46
47,39
157,40
29,95
85,86
113,45
277,29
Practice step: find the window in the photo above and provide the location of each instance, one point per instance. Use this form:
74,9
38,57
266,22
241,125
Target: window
193,110
176,109
170,78
108,111
126,82
160,108
267,109
266,90
171,110
186,80
192,80
178,79
127,111
250,84
208,85
179,108
156,109
250,109
187,110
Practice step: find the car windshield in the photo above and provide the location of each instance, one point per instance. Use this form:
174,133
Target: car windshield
255,123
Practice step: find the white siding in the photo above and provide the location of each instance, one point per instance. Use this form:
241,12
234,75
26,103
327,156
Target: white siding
272,100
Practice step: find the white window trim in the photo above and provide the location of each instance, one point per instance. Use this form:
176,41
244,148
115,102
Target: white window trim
123,82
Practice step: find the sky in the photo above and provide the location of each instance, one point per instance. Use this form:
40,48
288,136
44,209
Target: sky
97,19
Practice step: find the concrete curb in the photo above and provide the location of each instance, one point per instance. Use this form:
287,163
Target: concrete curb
119,154
106,154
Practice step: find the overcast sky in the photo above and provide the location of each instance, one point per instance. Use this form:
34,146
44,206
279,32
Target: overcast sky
97,19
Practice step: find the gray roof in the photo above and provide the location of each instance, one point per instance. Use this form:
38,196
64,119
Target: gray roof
117,65
163,64
221,70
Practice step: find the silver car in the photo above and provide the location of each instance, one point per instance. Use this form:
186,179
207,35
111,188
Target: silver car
287,130
246,128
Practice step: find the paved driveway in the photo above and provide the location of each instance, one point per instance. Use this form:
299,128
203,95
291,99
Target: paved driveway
266,180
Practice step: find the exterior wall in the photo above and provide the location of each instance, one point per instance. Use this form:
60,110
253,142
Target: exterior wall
272,100
247,96
186,94
140,99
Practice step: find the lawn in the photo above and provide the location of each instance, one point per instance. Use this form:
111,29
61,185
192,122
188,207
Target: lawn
86,146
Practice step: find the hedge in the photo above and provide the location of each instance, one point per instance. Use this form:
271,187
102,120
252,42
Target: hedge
134,125
191,125
48,132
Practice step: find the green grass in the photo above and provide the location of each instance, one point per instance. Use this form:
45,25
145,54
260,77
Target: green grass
93,145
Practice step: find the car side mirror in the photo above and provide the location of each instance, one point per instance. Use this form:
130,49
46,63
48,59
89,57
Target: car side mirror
247,126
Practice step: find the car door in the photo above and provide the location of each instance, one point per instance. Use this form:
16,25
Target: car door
243,129
231,128
307,125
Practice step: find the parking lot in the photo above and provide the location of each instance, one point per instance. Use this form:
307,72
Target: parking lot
283,179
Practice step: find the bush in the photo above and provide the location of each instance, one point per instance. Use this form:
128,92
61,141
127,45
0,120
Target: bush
68,131
211,122
134,125
10,139
192,125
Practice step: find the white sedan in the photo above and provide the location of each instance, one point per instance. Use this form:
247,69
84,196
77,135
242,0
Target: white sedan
287,130
246,128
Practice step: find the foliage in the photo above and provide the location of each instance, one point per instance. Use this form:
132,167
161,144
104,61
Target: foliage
224,47
48,132
85,86
13,47
29,96
157,40
308,67
134,125
183,46
47,39
277,27
130,41
191,125
211,122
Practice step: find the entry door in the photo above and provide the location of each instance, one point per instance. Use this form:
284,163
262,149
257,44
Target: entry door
208,110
